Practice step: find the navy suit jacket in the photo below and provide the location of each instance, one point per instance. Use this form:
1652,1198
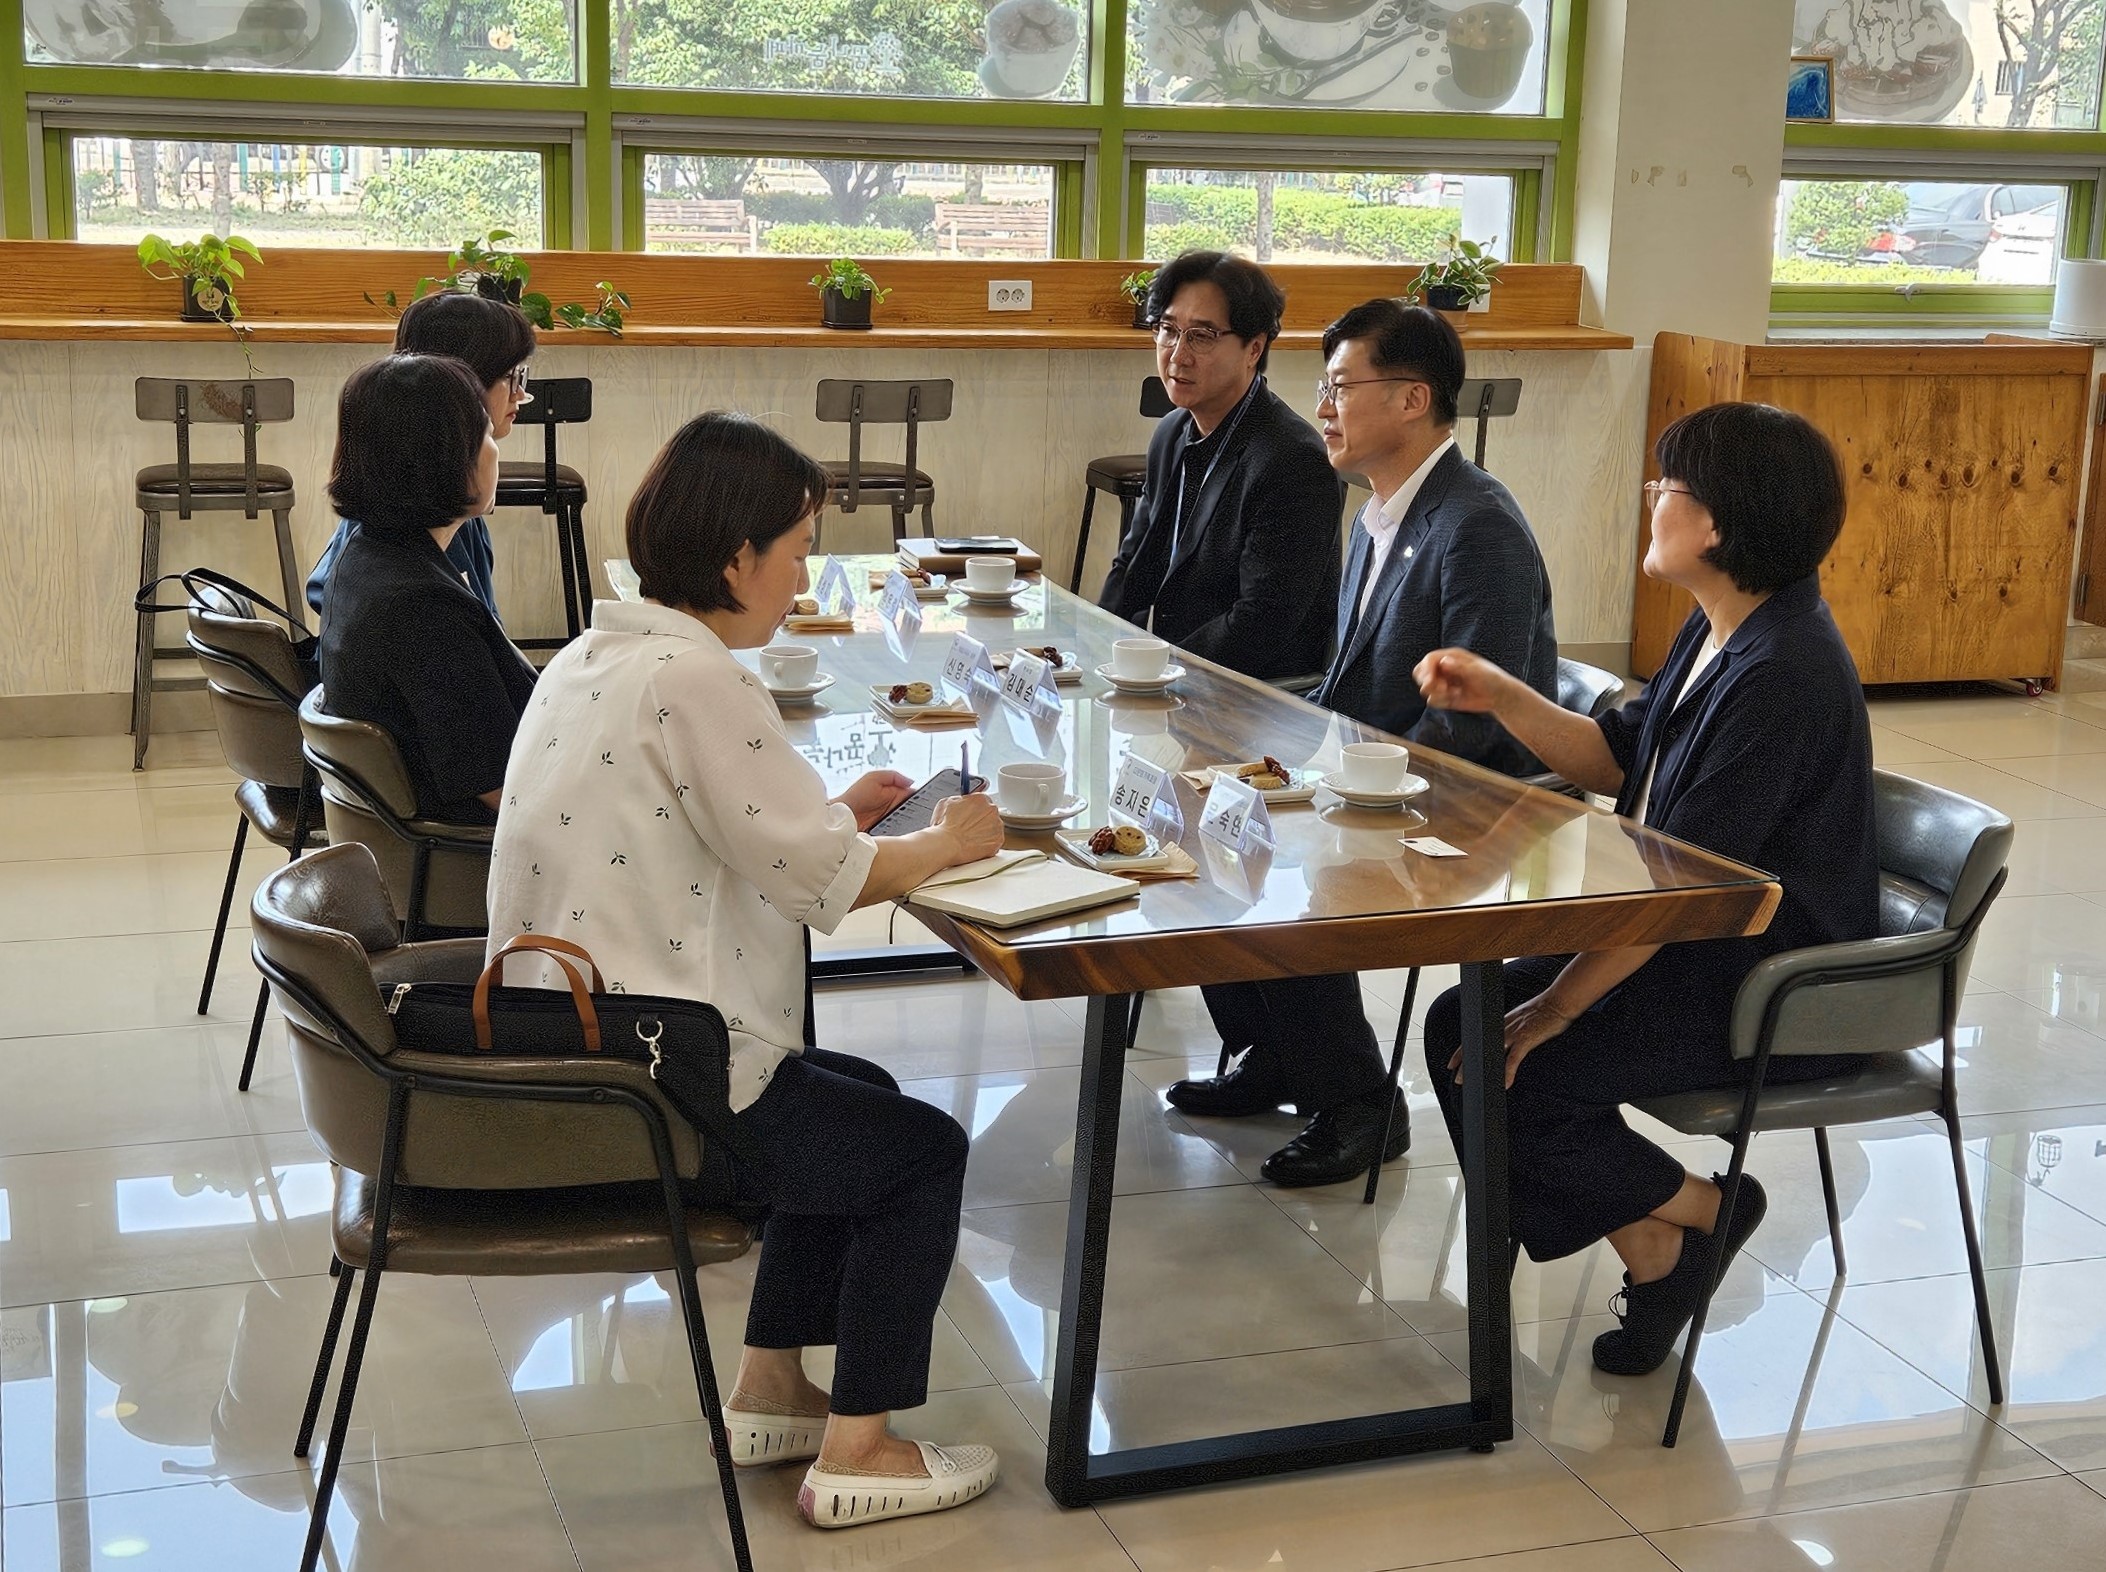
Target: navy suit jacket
1256,565
1462,570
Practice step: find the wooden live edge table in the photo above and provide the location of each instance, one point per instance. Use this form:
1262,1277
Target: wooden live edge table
1543,875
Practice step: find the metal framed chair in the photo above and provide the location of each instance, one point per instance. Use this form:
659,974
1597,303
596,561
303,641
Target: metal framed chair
190,488
900,487
437,873
255,684
1584,690
558,491
1942,861
1123,475
448,1165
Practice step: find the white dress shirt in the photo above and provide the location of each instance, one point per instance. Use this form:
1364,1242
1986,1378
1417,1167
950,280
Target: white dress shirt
655,813
1381,518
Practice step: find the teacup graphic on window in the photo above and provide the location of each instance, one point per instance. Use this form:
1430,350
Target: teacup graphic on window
1030,46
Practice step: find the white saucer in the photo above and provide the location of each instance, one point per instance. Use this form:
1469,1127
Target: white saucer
1154,684
800,695
994,597
1042,821
1412,787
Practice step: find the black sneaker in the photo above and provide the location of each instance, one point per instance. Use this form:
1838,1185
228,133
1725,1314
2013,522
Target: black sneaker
1654,1314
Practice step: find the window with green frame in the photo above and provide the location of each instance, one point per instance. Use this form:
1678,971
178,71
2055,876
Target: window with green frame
1300,215
1963,159
1071,93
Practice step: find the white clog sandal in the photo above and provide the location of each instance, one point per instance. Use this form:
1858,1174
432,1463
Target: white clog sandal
956,1475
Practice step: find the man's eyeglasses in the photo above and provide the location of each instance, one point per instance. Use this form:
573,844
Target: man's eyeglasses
1329,392
1656,489
1198,338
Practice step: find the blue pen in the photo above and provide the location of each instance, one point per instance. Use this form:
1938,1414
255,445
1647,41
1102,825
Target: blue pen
965,779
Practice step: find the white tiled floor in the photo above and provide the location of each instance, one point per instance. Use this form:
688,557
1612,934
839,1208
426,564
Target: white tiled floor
163,1244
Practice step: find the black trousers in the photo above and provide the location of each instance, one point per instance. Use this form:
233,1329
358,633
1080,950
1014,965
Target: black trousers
1307,1035
1577,1172
864,1185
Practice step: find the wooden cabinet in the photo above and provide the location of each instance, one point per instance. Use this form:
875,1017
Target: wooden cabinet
1962,464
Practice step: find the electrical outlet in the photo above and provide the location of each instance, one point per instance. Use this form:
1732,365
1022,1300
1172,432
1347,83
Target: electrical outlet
1009,294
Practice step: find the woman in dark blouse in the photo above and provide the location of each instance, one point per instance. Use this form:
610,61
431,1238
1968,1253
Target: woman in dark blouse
408,645
1751,741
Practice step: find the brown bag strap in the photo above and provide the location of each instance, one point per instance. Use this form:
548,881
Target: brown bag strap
553,947
557,950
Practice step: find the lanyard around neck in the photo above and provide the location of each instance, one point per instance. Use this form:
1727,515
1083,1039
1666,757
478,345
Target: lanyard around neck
1226,430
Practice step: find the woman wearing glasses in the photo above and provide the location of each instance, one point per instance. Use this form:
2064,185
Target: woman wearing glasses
1233,549
1751,741
495,341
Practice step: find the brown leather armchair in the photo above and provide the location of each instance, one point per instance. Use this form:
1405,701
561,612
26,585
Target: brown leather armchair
255,684
437,874
451,1165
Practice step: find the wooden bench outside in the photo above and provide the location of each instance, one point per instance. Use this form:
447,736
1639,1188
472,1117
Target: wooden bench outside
995,229
701,221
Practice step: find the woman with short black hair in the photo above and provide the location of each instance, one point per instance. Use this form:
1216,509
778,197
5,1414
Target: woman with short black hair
656,813
408,645
495,341
1751,741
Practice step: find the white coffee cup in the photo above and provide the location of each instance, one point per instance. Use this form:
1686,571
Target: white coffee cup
1373,766
1030,788
990,573
1140,660
789,665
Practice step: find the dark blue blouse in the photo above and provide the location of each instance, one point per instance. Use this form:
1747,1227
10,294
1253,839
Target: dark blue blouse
1767,760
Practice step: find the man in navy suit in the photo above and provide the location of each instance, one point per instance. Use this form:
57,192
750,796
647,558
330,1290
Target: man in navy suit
1440,557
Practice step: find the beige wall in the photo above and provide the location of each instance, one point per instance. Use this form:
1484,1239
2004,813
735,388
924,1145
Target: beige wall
1010,459
1681,150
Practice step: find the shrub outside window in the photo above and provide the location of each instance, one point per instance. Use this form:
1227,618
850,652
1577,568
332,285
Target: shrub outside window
462,40
863,208
1303,216
303,194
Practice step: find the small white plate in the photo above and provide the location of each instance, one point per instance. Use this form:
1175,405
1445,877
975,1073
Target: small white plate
803,694
1412,787
937,587
1154,684
941,704
1010,591
1301,784
1077,844
1042,821
1068,671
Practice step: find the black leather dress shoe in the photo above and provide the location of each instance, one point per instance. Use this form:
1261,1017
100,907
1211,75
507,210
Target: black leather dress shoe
1340,1143
1242,1091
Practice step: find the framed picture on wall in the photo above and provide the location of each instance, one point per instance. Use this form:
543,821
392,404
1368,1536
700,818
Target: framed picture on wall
1809,93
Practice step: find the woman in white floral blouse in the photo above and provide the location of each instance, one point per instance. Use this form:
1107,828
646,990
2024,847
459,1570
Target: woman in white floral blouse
655,812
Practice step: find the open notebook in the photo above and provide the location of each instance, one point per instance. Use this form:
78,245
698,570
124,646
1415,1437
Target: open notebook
1015,887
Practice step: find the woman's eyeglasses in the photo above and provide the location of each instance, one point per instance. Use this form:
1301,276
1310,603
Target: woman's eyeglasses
1656,489
518,379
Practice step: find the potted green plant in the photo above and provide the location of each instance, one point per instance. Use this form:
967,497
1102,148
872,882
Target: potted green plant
1134,286
1459,277
486,267
207,267
846,293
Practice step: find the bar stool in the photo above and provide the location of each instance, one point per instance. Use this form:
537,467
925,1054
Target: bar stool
901,487
1121,474
203,488
558,491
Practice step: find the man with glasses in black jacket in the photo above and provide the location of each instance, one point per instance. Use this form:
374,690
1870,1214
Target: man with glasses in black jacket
1233,551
